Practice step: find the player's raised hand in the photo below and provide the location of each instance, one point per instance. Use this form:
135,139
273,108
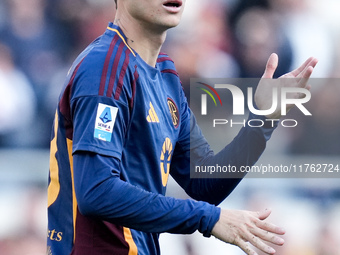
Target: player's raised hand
301,75
243,228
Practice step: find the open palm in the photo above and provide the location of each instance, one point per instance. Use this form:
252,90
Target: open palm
296,79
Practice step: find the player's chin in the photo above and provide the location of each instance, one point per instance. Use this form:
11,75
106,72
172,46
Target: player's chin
172,21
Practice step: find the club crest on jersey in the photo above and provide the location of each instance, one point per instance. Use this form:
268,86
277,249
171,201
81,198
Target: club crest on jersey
105,120
173,112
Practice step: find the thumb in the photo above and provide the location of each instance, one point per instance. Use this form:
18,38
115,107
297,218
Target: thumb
271,66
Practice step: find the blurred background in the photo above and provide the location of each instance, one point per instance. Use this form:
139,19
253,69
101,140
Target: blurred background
39,39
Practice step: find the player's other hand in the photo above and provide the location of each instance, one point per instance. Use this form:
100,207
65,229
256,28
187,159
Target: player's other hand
301,75
243,228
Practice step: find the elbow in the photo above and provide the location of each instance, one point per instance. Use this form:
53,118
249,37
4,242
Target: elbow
92,199
95,200
86,205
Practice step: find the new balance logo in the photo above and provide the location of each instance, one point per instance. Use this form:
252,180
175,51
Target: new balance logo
152,117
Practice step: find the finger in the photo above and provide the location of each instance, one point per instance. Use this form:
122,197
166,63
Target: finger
271,66
307,72
298,70
309,62
245,247
270,227
304,77
309,68
267,236
258,243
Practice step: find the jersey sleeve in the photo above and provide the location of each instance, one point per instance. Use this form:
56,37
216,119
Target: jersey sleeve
99,125
192,149
102,194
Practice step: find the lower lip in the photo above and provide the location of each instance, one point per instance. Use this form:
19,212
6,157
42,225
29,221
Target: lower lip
172,9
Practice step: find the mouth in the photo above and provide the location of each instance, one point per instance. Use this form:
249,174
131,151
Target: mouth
173,5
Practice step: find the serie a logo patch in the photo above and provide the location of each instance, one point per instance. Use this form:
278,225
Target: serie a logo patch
105,121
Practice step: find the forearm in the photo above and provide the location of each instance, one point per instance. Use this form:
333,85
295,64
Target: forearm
244,150
112,199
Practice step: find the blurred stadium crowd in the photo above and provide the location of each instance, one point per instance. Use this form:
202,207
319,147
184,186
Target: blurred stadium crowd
39,39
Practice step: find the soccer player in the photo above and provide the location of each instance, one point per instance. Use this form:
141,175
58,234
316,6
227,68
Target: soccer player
123,125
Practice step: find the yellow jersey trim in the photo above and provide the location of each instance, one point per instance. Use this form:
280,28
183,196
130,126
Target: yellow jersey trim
132,245
74,199
119,34
54,186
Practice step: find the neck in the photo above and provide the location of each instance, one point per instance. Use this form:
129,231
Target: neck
145,40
